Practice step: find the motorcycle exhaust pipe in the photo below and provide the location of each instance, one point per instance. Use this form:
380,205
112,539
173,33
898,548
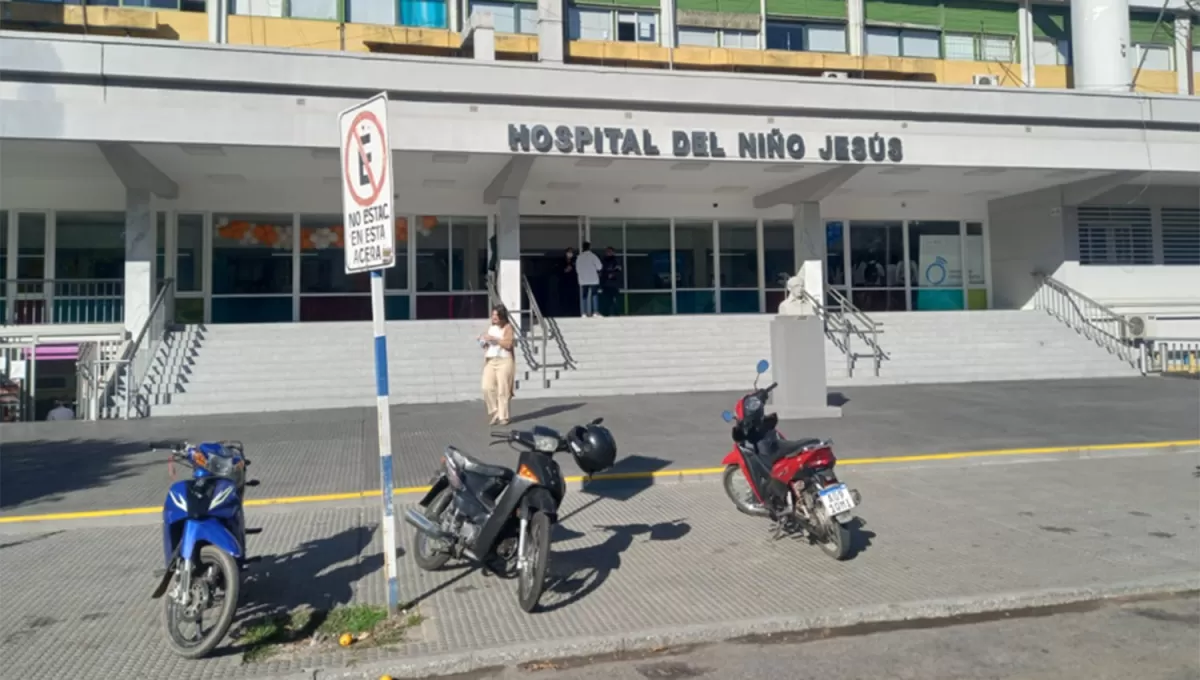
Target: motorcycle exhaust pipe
423,524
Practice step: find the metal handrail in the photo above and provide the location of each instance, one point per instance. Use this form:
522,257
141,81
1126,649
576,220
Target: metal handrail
840,326
1087,317
132,364
519,334
540,320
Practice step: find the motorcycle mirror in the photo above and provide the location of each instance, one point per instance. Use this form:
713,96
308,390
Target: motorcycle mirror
762,366
727,416
597,421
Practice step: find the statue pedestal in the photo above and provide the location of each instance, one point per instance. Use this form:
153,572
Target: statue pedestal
798,365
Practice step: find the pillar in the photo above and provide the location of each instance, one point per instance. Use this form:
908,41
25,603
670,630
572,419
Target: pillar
809,234
1100,45
855,22
481,34
1025,43
666,23
218,20
140,236
508,247
1183,51
551,33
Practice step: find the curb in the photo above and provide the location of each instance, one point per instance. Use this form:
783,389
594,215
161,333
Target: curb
827,623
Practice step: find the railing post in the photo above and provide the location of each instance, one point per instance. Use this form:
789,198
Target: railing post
849,349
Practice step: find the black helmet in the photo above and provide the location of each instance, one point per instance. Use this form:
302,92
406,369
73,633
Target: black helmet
593,447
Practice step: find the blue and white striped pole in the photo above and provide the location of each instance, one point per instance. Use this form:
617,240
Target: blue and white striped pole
385,440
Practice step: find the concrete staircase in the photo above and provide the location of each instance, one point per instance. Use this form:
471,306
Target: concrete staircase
272,367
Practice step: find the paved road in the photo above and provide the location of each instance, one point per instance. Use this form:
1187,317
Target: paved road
56,467
1149,640
627,564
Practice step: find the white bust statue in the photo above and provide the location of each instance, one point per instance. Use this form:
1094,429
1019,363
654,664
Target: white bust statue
795,304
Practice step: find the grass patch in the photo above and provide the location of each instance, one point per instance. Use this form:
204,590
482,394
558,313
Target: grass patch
370,626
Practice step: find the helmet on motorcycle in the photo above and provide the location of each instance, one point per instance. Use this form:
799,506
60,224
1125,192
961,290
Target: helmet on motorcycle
593,447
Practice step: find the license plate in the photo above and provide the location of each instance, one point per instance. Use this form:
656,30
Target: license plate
836,499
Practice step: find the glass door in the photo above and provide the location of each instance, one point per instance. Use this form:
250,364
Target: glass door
544,263
878,269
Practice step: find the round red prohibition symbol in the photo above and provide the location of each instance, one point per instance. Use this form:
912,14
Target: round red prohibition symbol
354,150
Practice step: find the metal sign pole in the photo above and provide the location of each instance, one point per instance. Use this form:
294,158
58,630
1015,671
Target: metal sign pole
369,234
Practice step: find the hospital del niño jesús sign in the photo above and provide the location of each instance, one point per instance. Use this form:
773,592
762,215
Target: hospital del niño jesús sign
772,145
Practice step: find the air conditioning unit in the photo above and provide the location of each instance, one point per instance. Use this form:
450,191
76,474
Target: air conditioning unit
1139,327
985,79
840,75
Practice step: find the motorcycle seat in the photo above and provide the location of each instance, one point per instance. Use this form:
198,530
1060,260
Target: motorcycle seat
478,467
782,448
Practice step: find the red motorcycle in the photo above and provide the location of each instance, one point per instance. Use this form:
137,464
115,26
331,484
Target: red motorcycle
792,482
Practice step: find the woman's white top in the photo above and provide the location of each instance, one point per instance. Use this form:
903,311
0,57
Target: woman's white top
496,351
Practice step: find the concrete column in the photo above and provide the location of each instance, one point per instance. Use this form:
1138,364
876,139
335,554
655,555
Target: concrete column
551,33
218,21
1100,45
508,247
1025,43
480,35
666,23
856,18
140,236
809,231
1183,48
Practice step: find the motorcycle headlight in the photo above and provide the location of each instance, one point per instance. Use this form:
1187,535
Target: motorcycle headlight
220,466
545,444
752,404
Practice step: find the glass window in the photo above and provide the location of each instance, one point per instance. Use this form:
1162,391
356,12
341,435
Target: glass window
160,244
503,14
996,48
648,255
694,254
976,266
189,253
371,12
883,42
702,37
921,44
1157,57
589,24
747,40
258,8
252,255
936,250
637,27
835,254
90,245
424,13
877,268
785,36
779,253
323,257
739,255
959,47
1049,52
1181,236
314,9
31,246
826,38
527,19
647,27
433,255
3,252
469,261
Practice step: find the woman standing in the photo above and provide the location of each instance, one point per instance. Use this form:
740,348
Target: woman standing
498,367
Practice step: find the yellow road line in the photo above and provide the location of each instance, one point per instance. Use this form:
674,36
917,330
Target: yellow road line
693,472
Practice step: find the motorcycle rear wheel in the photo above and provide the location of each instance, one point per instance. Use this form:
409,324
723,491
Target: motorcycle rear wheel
424,554
230,575
739,491
531,580
836,541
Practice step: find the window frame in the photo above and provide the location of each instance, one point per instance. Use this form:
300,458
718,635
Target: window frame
803,26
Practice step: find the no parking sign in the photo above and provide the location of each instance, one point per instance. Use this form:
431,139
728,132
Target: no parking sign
370,237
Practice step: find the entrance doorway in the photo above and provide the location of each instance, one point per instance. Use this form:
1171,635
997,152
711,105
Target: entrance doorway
544,242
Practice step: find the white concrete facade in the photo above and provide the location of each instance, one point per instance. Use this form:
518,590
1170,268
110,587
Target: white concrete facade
466,142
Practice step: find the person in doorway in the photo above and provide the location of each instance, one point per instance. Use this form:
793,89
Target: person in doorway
499,367
588,267
610,282
60,412
564,289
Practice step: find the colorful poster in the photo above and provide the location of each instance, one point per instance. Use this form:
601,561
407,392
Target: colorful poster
940,262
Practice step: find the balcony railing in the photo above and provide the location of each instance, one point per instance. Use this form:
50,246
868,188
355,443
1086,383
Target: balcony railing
62,301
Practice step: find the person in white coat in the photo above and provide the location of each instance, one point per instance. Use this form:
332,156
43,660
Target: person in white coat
587,267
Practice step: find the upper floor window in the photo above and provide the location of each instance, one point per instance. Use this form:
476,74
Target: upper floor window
509,17
1115,236
1157,57
1181,236
903,42
979,47
1051,52
718,37
610,25
806,37
184,5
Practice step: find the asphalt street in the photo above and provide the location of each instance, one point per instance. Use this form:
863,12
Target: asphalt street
82,466
1155,639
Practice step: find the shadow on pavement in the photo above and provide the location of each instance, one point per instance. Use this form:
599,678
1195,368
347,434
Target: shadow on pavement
546,412
629,477
320,574
47,470
575,574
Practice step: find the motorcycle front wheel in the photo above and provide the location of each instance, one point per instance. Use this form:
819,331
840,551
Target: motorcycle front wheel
737,487
217,577
531,576
429,553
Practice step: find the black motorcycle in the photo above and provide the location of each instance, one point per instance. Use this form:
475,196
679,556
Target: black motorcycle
496,516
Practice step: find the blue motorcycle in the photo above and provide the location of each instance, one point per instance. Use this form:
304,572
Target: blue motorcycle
204,544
